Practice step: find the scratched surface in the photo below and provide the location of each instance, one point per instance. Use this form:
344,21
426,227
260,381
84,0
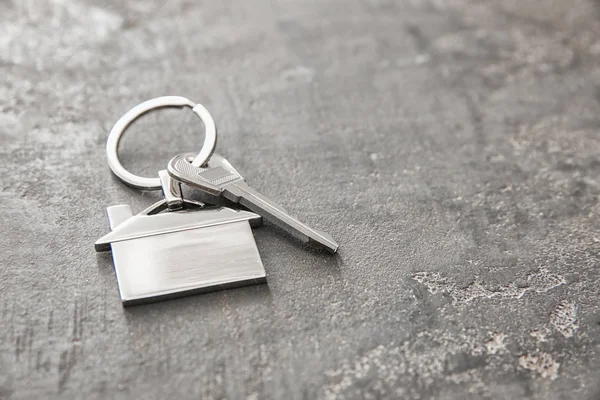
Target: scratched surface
452,147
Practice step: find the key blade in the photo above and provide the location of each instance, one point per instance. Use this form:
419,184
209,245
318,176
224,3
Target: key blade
243,194
221,180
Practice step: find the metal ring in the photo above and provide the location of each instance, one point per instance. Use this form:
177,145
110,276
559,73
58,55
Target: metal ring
116,133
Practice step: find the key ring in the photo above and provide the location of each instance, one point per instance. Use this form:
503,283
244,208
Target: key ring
116,133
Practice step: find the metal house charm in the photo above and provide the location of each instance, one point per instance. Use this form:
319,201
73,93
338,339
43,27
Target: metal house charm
172,254
183,251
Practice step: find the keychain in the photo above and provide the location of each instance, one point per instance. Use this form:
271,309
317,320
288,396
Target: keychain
179,246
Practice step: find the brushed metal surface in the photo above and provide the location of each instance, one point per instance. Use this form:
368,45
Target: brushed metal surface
185,262
173,254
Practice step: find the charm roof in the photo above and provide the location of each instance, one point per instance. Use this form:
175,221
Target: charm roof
143,225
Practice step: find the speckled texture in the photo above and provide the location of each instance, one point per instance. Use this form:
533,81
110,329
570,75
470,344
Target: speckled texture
452,147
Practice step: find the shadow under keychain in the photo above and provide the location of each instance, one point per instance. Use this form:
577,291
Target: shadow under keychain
191,247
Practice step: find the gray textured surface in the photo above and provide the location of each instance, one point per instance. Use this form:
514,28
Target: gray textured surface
452,147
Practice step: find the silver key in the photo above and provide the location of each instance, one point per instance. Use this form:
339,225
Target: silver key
219,178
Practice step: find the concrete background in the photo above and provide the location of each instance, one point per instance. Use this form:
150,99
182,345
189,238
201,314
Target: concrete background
452,147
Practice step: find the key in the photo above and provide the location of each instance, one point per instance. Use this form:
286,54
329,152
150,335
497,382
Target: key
219,178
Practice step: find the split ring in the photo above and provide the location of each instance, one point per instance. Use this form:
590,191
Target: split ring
116,133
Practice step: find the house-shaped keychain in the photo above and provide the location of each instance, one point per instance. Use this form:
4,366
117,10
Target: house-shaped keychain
172,254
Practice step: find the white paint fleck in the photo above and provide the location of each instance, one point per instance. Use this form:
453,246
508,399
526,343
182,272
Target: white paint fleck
433,281
539,281
495,343
539,335
404,370
540,363
564,318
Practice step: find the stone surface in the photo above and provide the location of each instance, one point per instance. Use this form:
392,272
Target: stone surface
452,147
